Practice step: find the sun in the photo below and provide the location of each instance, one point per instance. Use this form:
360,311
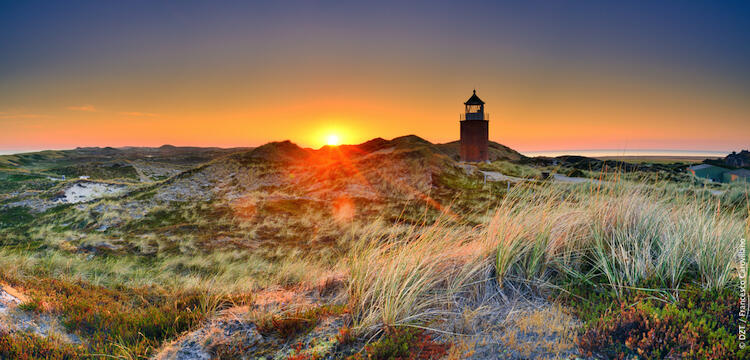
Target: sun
333,140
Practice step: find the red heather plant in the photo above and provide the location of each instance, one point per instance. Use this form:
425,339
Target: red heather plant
701,325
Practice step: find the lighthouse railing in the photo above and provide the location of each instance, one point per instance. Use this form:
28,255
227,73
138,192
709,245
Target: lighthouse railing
474,116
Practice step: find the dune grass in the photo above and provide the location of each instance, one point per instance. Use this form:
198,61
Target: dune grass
616,237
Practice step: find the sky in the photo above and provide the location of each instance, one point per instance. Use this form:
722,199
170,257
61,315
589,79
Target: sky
555,75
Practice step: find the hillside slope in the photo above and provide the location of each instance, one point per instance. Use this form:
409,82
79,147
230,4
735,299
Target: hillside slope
400,168
278,192
496,151
286,252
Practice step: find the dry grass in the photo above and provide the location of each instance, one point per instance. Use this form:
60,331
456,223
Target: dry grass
618,235
548,330
402,277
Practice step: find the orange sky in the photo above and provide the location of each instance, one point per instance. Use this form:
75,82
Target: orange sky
526,112
301,77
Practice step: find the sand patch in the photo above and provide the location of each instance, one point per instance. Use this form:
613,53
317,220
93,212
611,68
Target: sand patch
86,191
10,298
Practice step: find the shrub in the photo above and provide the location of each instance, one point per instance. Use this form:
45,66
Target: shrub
135,321
345,336
701,325
31,305
406,343
15,216
287,325
24,346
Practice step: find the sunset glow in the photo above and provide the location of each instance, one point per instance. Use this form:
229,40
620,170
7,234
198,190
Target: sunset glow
333,140
246,74
374,179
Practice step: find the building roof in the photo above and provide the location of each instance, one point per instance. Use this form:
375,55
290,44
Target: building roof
474,100
702,166
740,172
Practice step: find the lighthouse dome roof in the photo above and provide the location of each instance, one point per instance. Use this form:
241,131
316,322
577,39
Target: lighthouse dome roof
474,100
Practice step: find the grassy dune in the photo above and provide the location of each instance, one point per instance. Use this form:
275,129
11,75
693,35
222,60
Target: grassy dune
631,265
616,239
616,242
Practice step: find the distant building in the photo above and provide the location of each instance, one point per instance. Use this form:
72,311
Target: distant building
740,159
736,175
706,171
719,174
474,131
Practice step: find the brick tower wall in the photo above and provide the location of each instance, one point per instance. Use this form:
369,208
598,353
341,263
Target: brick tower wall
474,140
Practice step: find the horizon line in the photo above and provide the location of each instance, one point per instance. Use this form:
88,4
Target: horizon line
604,152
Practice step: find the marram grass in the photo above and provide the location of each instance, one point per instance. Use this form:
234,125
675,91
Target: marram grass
615,235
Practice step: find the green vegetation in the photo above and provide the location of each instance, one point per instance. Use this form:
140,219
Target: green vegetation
100,171
24,346
130,322
512,169
699,324
33,160
646,260
615,243
288,324
17,181
612,238
14,216
405,343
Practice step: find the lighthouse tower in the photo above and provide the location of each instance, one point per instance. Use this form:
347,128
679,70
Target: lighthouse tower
474,131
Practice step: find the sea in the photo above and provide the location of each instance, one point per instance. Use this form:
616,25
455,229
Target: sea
630,153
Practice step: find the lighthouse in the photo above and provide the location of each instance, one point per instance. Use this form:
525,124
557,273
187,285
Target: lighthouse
474,131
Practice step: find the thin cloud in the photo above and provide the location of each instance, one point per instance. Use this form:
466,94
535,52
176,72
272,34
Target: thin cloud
86,108
8,115
136,113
